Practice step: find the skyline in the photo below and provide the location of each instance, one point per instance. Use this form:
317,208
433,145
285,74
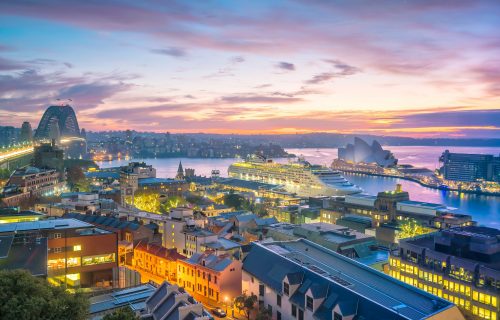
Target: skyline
420,69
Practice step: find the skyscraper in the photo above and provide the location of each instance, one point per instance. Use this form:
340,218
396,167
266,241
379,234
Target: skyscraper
26,132
64,117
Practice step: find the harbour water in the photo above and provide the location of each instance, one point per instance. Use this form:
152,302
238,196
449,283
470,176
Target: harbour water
484,209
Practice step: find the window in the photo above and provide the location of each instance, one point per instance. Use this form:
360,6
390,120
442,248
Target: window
77,248
128,237
286,288
278,315
57,250
261,290
294,310
74,262
270,308
337,316
57,235
56,264
278,300
309,303
98,259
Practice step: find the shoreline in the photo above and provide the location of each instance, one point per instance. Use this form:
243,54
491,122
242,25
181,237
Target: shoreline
482,193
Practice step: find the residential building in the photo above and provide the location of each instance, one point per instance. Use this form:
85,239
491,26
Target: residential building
156,262
185,233
173,303
461,265
79,254
30,182
302,280
216,278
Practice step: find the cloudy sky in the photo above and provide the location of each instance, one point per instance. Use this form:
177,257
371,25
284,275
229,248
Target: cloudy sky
414,68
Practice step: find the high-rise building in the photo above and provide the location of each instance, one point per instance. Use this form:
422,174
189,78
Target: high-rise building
470,167
302,280
8,135
62,116
459,264
26,132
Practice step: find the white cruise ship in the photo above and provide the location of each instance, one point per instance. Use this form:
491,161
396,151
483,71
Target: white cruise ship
301,177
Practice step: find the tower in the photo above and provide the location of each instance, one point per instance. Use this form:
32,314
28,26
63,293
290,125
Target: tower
180,172
26,132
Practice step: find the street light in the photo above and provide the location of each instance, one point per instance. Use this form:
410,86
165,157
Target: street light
226,299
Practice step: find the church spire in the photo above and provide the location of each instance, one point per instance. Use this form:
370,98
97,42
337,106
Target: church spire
180,172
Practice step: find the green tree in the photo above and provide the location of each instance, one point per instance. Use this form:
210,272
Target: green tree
234,200
25,297
264,314
76,179
245,303
171,203
121,314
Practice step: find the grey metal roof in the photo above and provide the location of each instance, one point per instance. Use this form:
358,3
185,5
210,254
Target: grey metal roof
380,296
56,224
121,298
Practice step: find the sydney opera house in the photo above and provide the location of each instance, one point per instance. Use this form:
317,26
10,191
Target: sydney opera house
362,152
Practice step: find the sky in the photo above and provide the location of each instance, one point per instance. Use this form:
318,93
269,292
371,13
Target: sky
421,68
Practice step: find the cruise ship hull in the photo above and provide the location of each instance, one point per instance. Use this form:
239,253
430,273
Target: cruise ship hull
304,181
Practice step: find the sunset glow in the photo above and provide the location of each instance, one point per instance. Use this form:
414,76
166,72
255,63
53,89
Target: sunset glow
408,68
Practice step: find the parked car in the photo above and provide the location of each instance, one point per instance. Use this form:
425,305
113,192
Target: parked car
219,312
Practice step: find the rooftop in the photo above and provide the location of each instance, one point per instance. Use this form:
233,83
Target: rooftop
210,261
134,297
427,205
56,224
103,221
375,292
145,181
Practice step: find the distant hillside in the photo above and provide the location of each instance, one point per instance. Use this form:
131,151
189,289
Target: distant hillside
312,140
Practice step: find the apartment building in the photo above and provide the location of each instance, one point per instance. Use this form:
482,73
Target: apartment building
216,278
156,261
302,280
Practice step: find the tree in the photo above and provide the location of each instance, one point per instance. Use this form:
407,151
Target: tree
25,297
245,303
76,179
234,200
121,314
147,201
264,314
171,203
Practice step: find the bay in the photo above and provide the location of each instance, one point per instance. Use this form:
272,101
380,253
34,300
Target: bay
484,209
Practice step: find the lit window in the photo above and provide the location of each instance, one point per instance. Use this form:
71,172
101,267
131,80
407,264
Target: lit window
74,262
77,248
98,259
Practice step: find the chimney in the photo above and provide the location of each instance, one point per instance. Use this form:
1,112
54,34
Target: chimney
399,188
